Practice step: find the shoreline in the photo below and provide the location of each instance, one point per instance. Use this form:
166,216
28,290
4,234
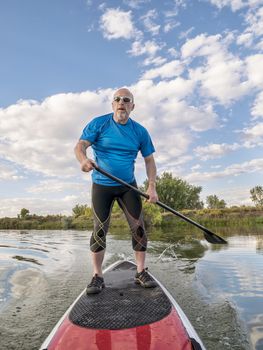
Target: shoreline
234,217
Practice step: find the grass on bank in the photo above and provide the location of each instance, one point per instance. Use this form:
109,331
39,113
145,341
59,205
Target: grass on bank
153,215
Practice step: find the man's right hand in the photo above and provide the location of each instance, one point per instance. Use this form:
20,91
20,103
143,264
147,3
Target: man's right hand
87,165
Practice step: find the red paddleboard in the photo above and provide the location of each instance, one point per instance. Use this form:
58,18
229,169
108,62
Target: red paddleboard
124,316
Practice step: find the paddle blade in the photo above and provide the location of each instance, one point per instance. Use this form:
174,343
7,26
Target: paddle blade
213,238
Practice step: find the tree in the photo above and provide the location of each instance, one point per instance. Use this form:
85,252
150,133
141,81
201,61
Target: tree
152,214
176,192
89,212
23,213
213,202
66,222
257,195
79,210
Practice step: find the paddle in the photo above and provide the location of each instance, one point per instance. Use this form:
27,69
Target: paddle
209,236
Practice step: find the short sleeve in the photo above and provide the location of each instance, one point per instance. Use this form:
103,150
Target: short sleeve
90,132
147,147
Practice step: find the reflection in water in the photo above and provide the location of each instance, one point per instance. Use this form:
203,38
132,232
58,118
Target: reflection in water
28,248
23,258
22,250
235,274
260,245
255,325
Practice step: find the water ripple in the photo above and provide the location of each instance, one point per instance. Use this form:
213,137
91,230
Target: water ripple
235,274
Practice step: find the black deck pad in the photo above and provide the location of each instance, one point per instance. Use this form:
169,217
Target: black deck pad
122,304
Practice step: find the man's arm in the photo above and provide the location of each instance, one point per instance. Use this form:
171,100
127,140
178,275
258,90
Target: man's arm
80,150
151,174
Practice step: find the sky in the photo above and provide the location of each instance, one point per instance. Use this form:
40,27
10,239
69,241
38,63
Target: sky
195,68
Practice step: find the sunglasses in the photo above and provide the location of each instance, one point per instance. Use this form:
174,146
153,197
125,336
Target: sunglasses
125,99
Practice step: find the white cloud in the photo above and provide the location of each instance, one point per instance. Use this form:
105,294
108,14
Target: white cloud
117,24
148,21
180,3
254,67
164,104
42,206
185,34
177,113
172,153
259,45
156,61
195,167
234,195
254,20
245,39
221,75
252,35
217,166
172,51
177,5
40,136
201,45
168,70
136,4
9,173
215,150
234,4
149,47
170,24
257,109
254,133
102,6
57,185
254,165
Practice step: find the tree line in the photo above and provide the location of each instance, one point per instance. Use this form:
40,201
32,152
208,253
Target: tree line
179,194
174,192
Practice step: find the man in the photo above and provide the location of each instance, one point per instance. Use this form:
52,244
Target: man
116,139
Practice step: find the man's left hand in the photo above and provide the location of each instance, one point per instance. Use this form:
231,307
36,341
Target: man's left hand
153,196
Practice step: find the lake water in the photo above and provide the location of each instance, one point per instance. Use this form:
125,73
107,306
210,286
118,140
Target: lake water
220,288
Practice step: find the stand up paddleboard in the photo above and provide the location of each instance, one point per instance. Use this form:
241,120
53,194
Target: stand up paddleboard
124,316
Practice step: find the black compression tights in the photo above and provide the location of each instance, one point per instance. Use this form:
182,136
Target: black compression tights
103,198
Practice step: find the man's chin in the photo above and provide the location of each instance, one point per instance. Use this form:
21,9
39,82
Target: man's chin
122,117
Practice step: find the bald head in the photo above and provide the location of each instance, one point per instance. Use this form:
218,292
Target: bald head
123,92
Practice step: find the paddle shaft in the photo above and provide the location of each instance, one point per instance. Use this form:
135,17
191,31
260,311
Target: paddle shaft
213,238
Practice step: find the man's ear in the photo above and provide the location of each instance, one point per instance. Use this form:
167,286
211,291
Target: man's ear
133,107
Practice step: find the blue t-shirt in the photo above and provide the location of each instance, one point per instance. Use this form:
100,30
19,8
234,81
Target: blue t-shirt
115,147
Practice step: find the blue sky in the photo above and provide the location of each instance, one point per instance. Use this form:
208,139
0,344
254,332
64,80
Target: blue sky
196,71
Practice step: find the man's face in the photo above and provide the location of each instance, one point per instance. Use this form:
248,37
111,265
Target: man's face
122,105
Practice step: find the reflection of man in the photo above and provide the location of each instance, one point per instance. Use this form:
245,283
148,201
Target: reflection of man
116,140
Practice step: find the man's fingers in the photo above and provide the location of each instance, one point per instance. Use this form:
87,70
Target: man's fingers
87,165
152,199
